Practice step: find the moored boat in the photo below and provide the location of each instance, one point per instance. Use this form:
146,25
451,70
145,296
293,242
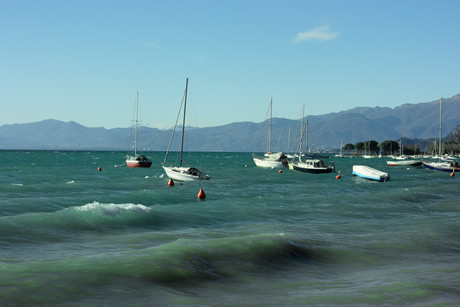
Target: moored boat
270,160
450,167
182,173
137,160
370,173
314,166
405,162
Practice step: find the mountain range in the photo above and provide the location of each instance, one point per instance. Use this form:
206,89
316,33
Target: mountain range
413,121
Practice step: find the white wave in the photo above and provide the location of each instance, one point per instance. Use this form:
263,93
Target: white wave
17,184
113,209
69,182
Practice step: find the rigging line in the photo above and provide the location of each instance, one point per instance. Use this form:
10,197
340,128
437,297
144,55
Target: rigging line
263,130
132,129
174,130
183,123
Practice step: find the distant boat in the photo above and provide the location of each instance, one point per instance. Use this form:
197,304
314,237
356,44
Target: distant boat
367,147
315,155
370,173
183,173
271,160
443,166
340,154
405,162
137,160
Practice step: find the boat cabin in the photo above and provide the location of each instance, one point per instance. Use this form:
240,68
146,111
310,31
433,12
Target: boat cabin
315,163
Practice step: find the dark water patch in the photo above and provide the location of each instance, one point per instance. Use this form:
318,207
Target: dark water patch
184,263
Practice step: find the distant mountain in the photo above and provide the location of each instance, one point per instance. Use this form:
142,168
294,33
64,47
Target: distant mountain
413,121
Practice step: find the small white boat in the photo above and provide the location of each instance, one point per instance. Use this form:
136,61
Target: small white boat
271,160
370,173
185,173
404,162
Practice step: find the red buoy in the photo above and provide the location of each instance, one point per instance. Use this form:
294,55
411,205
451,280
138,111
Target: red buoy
452,174
280,171
338,176
171,182
99,169
201,194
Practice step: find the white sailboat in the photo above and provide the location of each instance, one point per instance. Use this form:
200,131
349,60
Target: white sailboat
181,172
446,165
137,160
271,160
340,154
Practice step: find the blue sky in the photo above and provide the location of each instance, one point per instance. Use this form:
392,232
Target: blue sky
85,60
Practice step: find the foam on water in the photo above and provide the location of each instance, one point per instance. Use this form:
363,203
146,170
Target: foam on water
112,209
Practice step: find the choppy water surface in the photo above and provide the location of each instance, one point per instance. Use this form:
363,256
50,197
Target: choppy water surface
122,236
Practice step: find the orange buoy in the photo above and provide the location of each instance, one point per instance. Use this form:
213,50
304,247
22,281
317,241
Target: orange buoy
201,194
99,169
171,182
452,174
338,176
280,171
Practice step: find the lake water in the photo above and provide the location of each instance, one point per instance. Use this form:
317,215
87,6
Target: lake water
75,236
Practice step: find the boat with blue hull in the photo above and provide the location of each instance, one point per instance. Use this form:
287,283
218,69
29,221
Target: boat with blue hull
442,166
370,173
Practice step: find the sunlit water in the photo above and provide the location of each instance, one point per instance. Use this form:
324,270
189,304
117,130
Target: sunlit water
122,236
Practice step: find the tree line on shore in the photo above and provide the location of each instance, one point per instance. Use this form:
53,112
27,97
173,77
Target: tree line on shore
390,147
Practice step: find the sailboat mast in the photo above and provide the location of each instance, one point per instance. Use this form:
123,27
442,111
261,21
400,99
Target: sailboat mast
270,131
183,123
306,138
440,126
137,120
302,131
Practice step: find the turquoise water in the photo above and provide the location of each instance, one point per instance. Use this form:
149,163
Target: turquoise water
122,236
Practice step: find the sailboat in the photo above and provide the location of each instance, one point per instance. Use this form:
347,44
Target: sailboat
272,160
314,166
181,172
443,166
340,154
137,160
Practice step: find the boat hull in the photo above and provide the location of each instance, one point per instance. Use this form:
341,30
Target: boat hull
405,163
312,170
184,173
140,161
370,173
260,162
442,166
138,164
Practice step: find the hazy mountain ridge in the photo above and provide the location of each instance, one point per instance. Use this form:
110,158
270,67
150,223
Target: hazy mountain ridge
414,121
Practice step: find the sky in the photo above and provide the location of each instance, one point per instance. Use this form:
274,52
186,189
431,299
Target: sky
84,60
